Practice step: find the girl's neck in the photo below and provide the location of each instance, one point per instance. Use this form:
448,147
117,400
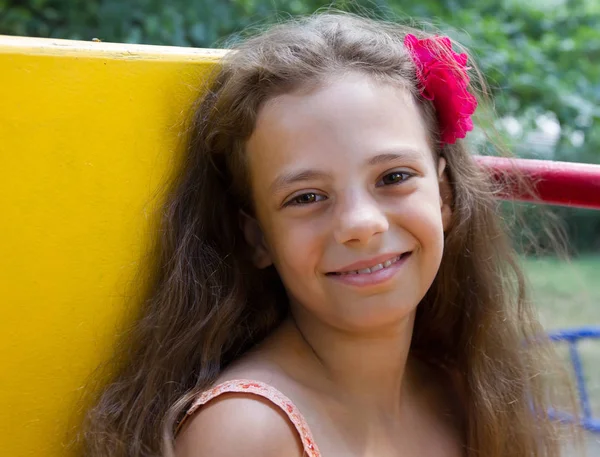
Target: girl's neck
368,371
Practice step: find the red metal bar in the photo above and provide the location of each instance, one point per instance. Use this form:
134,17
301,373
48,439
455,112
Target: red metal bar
554,183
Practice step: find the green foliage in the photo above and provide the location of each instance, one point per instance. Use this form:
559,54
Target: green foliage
541,57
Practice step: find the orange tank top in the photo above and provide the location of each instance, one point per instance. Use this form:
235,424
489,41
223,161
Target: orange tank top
270,393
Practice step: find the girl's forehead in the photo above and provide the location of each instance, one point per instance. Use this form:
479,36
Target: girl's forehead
340,122
351,97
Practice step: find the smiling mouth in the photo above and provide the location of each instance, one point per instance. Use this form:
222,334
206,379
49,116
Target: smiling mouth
374,268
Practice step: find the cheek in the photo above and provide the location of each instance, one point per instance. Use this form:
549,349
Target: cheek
296,252
296,248
421,216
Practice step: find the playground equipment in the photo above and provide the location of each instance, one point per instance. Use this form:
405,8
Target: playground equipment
572,337
88,133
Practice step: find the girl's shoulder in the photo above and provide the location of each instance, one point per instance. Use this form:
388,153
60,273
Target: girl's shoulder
245,413
236,424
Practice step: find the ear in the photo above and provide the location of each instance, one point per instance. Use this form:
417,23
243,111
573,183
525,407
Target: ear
254,236
446,197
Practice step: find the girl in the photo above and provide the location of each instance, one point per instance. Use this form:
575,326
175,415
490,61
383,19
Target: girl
333,278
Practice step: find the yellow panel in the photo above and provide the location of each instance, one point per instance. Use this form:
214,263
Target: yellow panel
88,132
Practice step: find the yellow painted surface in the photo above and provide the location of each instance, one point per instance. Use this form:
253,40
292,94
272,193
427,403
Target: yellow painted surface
88,133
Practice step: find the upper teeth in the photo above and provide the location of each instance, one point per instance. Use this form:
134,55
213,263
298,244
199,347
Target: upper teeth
372,269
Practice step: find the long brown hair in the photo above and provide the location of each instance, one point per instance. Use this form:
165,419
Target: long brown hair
207,304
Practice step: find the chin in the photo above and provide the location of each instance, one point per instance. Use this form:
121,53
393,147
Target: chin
374,318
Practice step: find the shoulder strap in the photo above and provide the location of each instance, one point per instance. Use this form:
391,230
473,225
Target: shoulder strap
266,391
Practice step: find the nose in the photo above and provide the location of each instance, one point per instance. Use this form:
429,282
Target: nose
359,219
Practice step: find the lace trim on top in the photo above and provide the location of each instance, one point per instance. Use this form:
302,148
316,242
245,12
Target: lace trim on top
270,393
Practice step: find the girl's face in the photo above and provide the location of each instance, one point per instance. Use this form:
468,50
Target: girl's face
347,198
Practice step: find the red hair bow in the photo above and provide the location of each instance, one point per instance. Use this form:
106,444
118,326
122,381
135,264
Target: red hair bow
444,80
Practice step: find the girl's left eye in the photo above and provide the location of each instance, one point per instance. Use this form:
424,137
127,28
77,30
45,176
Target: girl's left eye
394,178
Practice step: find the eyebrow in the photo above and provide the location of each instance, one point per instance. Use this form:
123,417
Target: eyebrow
286,180
400,154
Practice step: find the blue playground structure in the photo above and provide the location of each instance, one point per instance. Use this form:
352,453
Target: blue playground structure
572,338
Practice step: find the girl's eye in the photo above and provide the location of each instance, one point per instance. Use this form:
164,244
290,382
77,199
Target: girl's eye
394,178
305,199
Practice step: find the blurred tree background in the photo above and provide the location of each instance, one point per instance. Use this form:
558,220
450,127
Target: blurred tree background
541,58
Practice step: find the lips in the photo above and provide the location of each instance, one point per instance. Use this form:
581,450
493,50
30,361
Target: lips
372,266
